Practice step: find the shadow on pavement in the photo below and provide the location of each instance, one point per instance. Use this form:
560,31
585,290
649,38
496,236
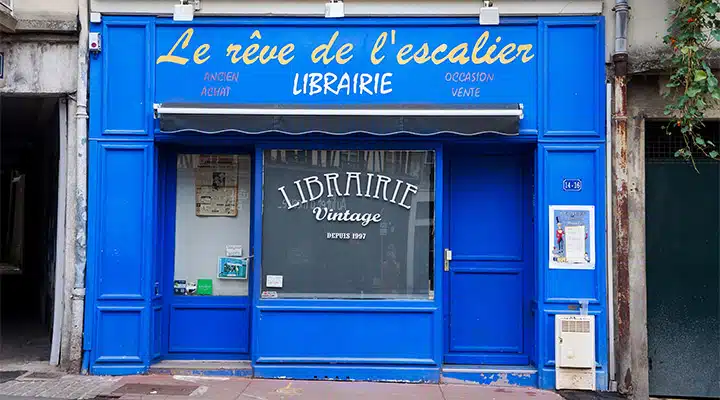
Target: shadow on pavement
7,376
584,395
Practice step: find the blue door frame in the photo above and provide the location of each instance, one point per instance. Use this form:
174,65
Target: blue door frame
489,285
181,316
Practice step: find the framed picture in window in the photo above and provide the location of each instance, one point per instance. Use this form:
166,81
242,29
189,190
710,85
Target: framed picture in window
232,268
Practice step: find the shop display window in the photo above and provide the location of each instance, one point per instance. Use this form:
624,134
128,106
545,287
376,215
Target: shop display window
348,224
212,225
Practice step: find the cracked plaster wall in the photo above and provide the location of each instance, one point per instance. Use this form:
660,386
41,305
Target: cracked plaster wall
39,65
645,97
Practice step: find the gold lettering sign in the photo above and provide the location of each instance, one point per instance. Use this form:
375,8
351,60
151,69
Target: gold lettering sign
333,51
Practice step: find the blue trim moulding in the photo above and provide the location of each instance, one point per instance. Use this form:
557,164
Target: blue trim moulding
353,373
553,66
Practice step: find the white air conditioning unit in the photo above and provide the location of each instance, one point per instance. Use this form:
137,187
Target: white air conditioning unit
575,352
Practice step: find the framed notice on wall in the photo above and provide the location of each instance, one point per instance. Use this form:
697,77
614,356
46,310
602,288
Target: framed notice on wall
572,237
216,185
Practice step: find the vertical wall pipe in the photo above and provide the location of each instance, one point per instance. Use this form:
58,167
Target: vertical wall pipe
622,11
609,276
71,352
81,118
621,221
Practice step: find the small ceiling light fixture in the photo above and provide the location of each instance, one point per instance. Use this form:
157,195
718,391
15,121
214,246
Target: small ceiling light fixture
334,9
185,11
489,15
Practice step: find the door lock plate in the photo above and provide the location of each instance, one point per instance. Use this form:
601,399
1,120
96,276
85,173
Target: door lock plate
447,258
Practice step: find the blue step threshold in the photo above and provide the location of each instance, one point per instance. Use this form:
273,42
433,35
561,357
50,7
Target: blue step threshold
491,375
468,374
205,368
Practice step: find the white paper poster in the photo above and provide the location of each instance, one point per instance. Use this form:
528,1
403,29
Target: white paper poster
274,281
233,250
572,237
575,243
216,185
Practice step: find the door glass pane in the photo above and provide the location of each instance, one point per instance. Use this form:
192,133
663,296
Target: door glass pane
348,224
212,225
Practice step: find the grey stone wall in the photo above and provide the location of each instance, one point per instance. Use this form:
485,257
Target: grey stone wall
39,64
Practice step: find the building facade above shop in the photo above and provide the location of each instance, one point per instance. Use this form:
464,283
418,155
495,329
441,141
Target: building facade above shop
352,7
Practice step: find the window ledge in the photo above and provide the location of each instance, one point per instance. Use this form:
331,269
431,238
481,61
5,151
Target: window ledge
8,22
46,23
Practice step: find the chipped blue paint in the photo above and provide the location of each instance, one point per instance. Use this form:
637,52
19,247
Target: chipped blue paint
239,372
524,377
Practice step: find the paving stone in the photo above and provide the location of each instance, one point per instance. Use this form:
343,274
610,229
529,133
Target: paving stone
152,388
584,395
41,376
66,387
468,392
233,388
322,390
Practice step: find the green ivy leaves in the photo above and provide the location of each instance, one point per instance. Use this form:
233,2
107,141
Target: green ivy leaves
710,7
692,86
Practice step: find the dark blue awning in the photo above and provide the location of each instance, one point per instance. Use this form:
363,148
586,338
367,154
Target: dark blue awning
380,120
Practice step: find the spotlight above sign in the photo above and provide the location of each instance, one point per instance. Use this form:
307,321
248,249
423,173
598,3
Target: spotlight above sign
489,14
185,11
334,9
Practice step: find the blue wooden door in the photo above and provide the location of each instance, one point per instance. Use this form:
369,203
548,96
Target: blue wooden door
207,315
489,235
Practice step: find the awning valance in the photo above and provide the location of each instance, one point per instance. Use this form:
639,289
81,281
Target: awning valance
381,120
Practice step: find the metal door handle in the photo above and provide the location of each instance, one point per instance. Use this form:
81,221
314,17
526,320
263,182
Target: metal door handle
447,257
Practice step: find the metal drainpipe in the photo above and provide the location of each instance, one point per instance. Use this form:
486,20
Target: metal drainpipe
80,196
621,228
609,248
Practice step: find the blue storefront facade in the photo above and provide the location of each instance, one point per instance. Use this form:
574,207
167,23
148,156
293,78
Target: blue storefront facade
353,199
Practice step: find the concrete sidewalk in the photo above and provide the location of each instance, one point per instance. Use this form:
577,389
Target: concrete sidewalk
166,387
24,398
217,388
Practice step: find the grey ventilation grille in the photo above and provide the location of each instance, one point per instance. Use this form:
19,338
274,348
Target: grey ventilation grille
569,326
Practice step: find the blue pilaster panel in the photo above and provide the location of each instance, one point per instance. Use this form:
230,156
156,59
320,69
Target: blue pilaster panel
121,79
571,171
120,232
561,290
573,78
